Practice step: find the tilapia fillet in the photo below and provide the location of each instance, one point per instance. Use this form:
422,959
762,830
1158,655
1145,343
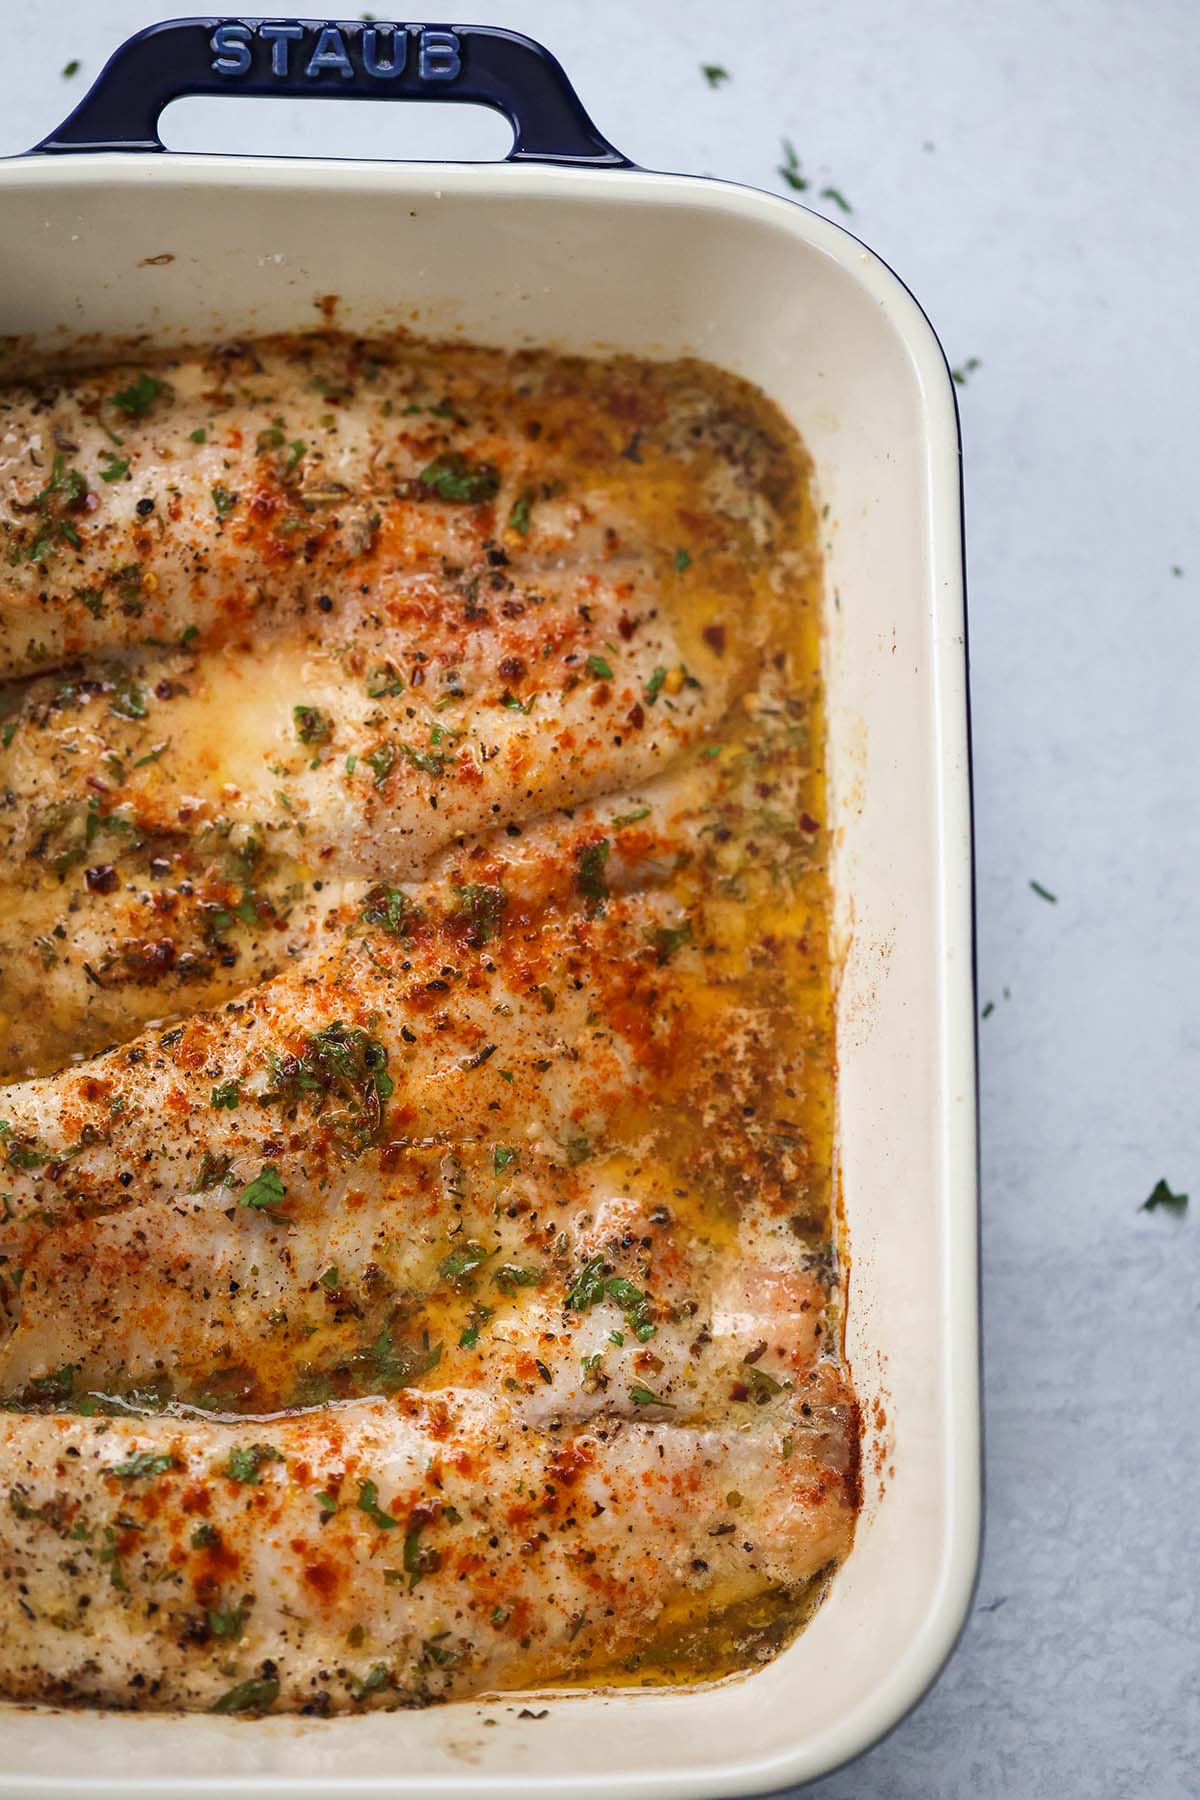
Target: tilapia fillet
393,1553
417,1275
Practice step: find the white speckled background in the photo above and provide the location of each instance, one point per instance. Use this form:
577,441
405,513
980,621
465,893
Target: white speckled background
1030,169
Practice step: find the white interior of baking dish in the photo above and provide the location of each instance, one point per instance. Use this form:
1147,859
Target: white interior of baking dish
658,266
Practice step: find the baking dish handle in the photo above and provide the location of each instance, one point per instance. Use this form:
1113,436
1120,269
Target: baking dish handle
365,59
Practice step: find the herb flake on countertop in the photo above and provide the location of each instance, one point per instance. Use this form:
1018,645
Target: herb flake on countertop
1043,893
714,74
838,198
1162,1196
963,373
71,68
790,170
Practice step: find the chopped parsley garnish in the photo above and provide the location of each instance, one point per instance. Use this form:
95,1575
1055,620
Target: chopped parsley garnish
377,1676
518,518
368,1502
578,1150
1044,892
760,1387
457,477
258,1695
654,686
430,762
199,436
641,1396
65,492
227,1621
139,396
418,1561
597,666
631,818
1162,1196
476,1319
57,1388
389,907
129,699
381,760
224,501
117,467
266,1192
458,1268
683,561
8,733
213,1172
70,483
592,1285
246,1461
340,1073
479,911
504,1156
312,725
387,1366
384,681
670,938
143,1465
509,1278
589,875
790,168
434,1651
714,74
227,1095
205,1537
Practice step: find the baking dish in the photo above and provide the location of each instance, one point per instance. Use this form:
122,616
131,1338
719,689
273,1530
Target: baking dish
567,245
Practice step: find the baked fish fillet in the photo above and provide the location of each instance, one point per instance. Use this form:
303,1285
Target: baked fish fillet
428,1547
242,489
